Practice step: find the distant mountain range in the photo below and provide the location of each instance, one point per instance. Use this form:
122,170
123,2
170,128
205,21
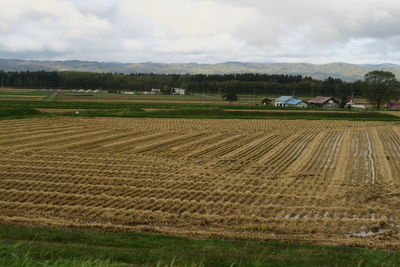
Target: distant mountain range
348,72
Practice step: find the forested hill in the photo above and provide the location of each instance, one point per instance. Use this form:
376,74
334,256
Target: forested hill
347,72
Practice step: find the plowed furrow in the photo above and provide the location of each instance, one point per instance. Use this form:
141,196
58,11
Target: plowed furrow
130,145
53,143
228,139
254,153
99,143
223,148
20,133
35,138
166,145
290,153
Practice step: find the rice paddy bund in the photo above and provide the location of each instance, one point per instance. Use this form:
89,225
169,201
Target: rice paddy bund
325,182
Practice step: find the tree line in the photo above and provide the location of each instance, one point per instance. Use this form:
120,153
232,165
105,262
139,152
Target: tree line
246,83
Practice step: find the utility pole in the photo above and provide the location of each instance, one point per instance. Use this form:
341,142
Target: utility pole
352,97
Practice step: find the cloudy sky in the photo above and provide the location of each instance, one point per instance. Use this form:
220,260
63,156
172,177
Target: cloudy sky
204,31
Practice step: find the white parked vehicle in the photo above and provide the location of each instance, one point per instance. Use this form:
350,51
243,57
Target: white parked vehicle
355,106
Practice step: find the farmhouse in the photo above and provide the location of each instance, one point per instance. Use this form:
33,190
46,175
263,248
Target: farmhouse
324,102
178,91
280,101
298,103
290,101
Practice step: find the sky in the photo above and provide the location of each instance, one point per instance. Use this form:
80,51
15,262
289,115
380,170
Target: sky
203,31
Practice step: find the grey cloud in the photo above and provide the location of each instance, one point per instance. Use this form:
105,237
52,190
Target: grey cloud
202,30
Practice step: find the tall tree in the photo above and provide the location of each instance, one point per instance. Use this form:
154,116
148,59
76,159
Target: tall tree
343,91
230,95
330,84
381,86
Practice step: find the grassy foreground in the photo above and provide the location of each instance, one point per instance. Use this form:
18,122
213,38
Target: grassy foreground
24,109
50,247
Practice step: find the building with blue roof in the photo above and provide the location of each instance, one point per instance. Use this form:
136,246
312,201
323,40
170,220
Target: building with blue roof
290,101
296,103
280,101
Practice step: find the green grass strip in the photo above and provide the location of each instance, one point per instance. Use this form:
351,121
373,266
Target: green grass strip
49,247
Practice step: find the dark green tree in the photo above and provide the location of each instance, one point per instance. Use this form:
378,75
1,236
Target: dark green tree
165,90
230,95
266,102
380,87
329,85
343,91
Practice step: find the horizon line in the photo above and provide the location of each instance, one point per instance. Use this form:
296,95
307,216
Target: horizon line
171,63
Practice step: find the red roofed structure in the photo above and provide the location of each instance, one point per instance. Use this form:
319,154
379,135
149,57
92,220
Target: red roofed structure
324,102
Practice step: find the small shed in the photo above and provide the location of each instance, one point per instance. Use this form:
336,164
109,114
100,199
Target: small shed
298,103
324,102
281,101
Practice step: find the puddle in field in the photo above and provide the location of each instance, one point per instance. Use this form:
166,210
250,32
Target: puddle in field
365,234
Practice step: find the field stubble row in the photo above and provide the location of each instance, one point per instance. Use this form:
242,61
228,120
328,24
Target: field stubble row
304,180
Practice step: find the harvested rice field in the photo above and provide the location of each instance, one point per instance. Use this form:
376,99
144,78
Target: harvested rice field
325,182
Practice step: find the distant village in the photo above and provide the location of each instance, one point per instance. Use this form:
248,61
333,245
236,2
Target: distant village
153,91
324,102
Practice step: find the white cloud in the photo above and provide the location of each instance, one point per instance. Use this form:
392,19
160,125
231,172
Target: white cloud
43,25
202,30
182,18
